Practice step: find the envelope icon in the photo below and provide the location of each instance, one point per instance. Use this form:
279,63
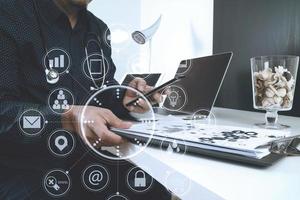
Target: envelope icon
33,122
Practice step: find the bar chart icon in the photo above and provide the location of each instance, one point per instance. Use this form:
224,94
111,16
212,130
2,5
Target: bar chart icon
57,62
58,59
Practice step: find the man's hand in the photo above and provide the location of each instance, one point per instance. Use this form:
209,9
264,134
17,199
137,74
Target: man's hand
102,119
141,106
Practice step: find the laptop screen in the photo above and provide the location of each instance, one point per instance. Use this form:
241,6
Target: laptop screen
200,87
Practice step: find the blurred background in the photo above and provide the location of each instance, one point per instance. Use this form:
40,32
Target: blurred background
186,31
193,28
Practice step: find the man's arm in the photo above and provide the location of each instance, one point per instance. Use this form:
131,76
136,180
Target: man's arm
11,104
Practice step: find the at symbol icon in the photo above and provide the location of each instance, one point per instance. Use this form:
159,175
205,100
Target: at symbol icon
95,177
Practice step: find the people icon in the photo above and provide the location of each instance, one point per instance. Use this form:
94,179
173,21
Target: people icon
65,105
61,95
56,105
61,102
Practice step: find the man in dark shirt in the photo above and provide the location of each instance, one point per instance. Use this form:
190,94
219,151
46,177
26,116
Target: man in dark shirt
63,24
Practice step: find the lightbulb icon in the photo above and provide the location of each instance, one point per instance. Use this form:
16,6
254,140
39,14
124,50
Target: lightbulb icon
176,98
173,98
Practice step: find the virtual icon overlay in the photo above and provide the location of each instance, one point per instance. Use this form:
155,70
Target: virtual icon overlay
176,98
32,122
184,66
57,59
117,37
203,116
95,178
61,143
139,64
138,180
116,152
61,100
117,197
57,183
95,67
172,146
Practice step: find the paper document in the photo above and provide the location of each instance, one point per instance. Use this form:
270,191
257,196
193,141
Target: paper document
229,139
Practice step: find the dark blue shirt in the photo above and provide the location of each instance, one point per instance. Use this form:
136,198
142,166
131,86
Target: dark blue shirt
23,82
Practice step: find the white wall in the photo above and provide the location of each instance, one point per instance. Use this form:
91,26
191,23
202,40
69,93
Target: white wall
186,31
121,15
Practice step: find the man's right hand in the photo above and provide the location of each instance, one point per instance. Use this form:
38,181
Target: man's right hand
101,119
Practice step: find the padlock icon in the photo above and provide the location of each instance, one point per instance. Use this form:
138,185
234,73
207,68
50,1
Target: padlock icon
140,179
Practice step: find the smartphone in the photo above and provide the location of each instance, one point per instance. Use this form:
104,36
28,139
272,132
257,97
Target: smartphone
151,79
157,89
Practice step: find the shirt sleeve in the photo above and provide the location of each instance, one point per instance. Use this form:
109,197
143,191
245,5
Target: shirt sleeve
112,102
11,104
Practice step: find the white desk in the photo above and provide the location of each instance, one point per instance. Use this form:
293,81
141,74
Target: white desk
216,179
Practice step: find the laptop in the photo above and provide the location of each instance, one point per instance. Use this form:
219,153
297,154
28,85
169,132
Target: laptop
200,87
199,90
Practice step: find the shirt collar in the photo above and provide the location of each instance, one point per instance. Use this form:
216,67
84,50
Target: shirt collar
49,11
52,14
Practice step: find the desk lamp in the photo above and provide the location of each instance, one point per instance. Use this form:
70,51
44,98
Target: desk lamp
143,36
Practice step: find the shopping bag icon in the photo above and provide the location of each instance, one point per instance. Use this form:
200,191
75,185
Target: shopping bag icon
32,122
